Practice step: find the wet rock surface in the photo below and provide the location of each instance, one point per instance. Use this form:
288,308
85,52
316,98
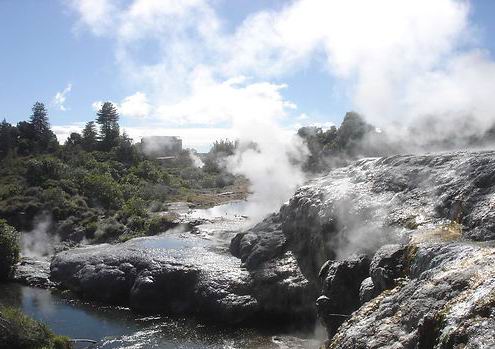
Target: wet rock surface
159,275
404,239
448,304
413,216
341,281
191,273
34,271
387,265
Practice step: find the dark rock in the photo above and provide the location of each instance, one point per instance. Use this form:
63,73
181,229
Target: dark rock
368,290
405,200
242,245
387,265
445,305
283,289
160,275
277,280
341,281
436,210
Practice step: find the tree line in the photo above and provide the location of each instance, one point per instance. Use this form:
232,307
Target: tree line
36,137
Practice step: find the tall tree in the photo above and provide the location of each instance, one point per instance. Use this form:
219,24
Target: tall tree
39,118
89,136
108,119
43,139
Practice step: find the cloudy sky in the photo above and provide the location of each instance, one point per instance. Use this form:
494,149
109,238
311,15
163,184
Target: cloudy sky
208,69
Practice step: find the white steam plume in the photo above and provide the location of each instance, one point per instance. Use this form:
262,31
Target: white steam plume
38,242
196,160
269,164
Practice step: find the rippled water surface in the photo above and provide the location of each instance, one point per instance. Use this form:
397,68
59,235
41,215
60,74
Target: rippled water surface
115,327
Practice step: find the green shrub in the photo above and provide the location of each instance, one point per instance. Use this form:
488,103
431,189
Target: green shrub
159,192
224,180
9,190
192,173
159,224
208,182
136,224
102,190
9,249
40,170
157,206
134,207
109,229
148,171
18,331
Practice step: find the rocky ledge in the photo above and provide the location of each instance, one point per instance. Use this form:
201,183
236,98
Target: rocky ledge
383,243
388,252
185,274
443,297
34,271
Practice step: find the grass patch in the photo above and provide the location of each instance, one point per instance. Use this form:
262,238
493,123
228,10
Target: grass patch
19,331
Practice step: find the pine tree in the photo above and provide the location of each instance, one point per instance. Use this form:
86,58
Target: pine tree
108,119
43,139
39,119
89,136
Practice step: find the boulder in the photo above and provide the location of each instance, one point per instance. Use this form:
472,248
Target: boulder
447,303
387,265
34,271
367,290
160,275
341,281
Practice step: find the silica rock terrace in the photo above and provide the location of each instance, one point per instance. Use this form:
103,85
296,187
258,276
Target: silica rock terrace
391,252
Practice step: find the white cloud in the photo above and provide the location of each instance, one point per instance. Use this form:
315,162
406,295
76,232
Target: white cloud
136,105
96,105
232,101
60,97
97,15
397,60
63,131
380,49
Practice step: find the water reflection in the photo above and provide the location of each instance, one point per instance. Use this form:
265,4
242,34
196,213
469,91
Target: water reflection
115,327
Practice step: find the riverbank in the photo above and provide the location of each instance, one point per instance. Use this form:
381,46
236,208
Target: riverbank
17,330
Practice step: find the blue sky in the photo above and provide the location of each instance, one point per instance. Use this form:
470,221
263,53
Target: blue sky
48,45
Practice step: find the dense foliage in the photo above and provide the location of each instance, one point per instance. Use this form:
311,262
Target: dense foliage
97,186
220,150
18,331
335,146
9,249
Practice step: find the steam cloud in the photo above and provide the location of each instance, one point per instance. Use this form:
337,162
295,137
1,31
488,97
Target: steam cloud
196,160
399,63
38,242
270,166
